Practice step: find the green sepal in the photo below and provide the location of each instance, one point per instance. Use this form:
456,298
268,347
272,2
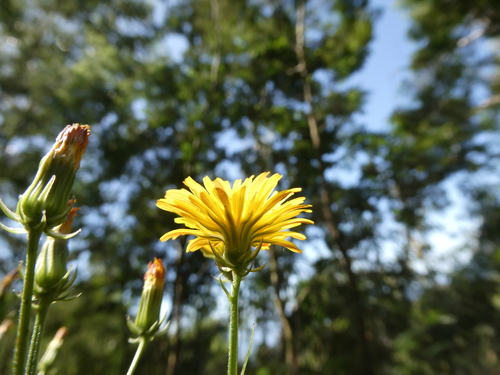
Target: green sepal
10,214
135,330
258,268
60,291
31,225
61,236
221,262
13,230
46,190
151,333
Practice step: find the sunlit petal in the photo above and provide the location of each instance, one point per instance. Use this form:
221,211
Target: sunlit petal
230,221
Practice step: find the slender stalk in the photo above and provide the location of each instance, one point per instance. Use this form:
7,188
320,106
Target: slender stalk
43,308
137,356
232,365
25,309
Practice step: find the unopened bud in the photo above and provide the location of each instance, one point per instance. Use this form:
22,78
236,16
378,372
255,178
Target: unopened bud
50,190
50,354
51,264
151,298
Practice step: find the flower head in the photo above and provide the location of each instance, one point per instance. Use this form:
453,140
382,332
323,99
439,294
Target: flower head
49,193
228,221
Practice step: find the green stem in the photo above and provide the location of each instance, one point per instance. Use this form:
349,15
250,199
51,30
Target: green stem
25,309
232,365
140,349
43,308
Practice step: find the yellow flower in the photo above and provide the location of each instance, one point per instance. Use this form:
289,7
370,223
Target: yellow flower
228,221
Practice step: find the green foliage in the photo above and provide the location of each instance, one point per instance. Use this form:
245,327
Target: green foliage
236,102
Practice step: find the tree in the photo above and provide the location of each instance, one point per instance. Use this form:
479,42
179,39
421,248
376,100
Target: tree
261,85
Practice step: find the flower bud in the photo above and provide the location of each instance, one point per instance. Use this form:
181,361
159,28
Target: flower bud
51,352
51,264
50,190
152,295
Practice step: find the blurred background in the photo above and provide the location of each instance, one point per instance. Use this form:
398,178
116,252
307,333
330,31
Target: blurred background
385,113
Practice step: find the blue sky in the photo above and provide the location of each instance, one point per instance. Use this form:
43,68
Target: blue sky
386,66
382,76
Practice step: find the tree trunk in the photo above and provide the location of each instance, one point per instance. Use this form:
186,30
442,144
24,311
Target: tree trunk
335,237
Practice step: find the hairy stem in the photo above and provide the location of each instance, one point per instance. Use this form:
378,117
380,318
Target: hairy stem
25,309
232,365
43,308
